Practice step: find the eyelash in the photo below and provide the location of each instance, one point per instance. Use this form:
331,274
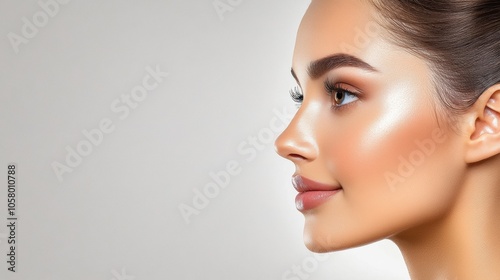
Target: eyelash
296,95
331,89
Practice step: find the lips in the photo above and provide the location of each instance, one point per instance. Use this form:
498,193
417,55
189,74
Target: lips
311,193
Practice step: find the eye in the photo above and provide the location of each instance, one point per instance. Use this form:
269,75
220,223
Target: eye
296,95
340,95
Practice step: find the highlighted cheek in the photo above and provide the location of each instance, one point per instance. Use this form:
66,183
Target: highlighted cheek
385,133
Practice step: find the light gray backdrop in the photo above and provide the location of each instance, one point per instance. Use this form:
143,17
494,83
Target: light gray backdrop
127,172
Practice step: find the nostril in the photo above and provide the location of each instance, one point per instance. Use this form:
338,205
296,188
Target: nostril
296,156
295,149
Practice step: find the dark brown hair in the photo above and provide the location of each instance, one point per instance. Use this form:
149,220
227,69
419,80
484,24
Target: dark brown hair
460,39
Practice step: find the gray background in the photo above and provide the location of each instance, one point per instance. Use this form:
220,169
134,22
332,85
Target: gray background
116,216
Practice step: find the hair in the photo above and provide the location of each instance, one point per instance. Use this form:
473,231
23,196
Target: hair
460,40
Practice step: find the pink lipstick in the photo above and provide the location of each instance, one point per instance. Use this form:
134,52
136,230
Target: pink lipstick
311,193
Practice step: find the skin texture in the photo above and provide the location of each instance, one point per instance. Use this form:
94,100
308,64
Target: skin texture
441,208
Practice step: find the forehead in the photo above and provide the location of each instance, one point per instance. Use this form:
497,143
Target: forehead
336,26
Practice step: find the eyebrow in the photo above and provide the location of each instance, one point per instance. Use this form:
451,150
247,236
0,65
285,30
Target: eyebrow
319,67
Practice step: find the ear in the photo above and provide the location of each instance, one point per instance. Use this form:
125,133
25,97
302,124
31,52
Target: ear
483,126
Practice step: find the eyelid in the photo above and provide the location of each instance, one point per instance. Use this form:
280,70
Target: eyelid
331,85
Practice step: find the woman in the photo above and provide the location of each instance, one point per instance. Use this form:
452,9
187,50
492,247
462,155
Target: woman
398,131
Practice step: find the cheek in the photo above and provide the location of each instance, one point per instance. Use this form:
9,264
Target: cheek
390,158
374,137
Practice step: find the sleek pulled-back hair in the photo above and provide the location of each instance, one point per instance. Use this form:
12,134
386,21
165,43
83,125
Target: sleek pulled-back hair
460,40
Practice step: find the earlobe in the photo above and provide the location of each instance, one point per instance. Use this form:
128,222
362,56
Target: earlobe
484,126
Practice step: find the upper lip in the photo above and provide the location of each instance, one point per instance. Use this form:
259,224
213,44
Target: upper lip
302,184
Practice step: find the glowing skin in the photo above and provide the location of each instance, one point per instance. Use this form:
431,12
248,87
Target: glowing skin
392,186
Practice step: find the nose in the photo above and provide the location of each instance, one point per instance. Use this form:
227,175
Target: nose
297,142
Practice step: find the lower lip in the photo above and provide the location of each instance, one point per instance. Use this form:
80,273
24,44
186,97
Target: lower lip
308,200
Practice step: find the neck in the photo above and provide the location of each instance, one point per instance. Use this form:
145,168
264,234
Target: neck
463,244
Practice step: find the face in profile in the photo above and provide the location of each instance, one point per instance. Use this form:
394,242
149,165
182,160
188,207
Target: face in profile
374,155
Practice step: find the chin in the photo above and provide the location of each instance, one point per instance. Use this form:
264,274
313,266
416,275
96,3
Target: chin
324,237
319,241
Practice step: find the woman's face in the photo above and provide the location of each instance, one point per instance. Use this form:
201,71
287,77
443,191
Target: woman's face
370,128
